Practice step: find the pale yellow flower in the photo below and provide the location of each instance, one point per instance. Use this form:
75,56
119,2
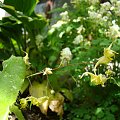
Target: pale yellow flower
108,52
109,72
26,59
107,58
102,60
34,100
47,71
96,79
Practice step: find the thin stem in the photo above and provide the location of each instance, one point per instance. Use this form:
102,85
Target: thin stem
35,74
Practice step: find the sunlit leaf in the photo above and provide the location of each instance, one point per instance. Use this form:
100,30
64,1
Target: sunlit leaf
11,80
25,6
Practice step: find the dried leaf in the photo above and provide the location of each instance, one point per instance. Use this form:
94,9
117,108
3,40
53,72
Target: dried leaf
56,104
44,107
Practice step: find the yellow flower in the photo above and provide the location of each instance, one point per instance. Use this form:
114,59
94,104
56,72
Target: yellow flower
102,60
34,100
96,79
108,52
107,58
109,72
23,103
26,59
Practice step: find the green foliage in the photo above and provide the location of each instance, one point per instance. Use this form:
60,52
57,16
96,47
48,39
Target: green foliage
20,32
17,112
11,80
92,112
83,41
27,7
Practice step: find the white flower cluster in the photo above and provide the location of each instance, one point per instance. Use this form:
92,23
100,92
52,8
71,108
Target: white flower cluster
80,29
105,7
95,16
103,16
64,16
77,20
117,8
56,26
113,31
66,56
65,5
39,41
78,39
114,6
64,20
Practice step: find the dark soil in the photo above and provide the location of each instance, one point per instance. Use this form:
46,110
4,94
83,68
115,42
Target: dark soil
35,114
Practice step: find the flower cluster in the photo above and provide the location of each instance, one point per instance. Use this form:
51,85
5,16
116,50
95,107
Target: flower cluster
96,21
116,7
80,29
107,57
105,7
56,26
78,39
78,19
113,31
55,103
66,56
64,20
64,16
95,16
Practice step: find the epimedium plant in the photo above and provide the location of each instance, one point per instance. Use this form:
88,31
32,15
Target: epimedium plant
88,30
59,56
85,31
15,32
23,31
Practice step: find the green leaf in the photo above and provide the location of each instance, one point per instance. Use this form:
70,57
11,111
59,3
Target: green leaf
110,116
99,112
87,117
11,80
17,112
67,94
25,6
39,90
17,21
114,108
